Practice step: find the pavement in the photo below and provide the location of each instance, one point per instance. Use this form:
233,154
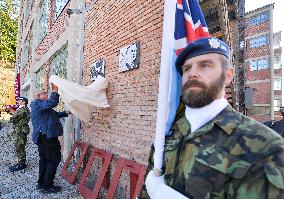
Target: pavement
22,184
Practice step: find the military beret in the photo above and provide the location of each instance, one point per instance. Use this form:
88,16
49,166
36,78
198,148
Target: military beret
200,47
24,99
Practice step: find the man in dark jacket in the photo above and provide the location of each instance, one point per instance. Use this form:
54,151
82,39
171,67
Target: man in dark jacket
46,129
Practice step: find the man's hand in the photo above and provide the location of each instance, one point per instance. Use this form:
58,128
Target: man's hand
54,88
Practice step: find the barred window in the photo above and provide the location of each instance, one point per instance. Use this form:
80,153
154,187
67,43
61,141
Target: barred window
58,64
39,78
259,41
25,53
58,67
260,18
277,83
43,20
259,64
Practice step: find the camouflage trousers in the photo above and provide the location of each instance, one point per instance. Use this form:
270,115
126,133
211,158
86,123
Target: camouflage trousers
20,141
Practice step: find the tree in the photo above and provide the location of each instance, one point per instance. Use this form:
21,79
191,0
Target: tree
8,30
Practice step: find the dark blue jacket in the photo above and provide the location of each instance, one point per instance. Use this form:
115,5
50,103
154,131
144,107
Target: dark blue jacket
45,119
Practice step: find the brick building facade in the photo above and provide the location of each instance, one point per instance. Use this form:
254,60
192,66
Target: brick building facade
263,77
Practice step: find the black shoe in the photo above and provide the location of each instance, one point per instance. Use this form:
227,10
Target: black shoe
51,189
17,167
39,186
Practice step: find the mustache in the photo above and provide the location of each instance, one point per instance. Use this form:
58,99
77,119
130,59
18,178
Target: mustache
192,83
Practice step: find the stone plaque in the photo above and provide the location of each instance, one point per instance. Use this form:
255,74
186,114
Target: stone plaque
97,69
129,57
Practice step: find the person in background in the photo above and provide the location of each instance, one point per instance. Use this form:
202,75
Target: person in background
20,120
46,130
214,151
277,126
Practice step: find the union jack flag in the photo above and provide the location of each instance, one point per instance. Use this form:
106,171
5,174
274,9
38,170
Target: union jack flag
189,23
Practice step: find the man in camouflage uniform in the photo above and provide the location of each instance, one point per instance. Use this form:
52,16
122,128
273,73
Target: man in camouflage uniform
214,151
20,120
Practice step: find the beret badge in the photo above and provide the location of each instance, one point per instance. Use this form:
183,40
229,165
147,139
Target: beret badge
214,43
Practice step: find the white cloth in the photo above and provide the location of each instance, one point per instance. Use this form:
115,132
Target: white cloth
197,117
81,100
156,188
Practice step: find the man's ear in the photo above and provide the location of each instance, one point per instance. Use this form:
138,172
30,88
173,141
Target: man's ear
229,75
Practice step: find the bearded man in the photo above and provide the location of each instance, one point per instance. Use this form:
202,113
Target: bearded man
214,151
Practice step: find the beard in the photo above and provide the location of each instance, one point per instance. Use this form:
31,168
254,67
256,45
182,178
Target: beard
198,99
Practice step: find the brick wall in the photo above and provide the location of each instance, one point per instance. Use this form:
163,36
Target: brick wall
127,127
262,93
257,74
256,29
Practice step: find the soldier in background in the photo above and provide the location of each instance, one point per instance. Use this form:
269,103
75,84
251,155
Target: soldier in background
214,151
20,120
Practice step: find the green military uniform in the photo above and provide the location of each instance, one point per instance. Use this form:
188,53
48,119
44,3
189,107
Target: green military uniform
20,120
232,156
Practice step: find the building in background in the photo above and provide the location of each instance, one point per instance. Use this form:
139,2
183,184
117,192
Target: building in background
263,71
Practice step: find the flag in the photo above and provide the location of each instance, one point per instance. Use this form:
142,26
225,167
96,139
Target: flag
11,102
183,23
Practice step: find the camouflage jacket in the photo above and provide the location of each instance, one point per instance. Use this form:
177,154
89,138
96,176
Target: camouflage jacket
232,156
21,118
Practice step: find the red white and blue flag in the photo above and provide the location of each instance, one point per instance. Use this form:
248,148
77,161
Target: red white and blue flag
183,23
189,23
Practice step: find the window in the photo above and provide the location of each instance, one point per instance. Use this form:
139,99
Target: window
262,64
277,83
259,41
259,64
58,64
277,62
43,20
25,53
253,65
58,7
31,41
277,104
58,67
260,18
40,78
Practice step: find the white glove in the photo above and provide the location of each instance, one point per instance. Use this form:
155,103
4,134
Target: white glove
157,188
153,182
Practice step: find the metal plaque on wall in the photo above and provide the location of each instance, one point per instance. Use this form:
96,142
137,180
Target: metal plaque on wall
129,57
97,69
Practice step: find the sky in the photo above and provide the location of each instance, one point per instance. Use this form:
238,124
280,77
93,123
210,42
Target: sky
278,14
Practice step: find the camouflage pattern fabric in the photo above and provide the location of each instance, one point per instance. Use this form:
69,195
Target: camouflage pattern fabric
232,156
20,120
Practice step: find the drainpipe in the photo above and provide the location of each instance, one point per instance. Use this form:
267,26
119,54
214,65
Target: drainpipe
271,62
